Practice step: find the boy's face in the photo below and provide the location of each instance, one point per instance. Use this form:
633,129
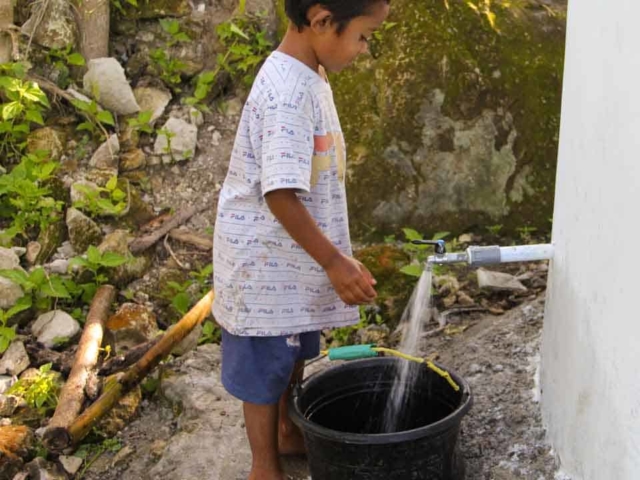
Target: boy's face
335,52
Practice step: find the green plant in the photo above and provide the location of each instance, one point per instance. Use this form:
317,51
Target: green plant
40,289
418,253
96,118
25,199
204,84
247,46
168,68
101,201
172,27
344,335
22,103
61,59
377,38
181,294
7,334
41,392
97,263
494,229
525,233
211,333
168,134
90,452
141,122
119,5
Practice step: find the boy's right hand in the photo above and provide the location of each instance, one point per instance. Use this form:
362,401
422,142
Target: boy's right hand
351,279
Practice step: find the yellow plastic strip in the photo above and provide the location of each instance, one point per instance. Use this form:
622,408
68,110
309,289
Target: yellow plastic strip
443,373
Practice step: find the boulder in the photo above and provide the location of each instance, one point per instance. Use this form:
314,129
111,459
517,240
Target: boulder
106,156
176,141
108,84
131,325
54,327
10,293
188,343
154,100
499,281
70,463
133,160
8,259
49,139
40,469
9,404
83,232
6,382
15,360
52,24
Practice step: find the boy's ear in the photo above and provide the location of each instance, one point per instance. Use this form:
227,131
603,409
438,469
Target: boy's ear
320,19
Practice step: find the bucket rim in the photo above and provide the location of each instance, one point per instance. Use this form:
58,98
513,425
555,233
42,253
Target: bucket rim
445,423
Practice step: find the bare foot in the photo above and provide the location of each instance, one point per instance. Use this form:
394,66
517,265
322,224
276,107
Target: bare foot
291,442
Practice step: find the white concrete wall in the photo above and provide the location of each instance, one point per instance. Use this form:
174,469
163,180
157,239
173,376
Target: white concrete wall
591,346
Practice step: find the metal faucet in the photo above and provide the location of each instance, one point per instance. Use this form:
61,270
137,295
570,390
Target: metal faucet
477,256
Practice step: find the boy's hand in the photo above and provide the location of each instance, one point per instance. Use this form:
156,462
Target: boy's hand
351,279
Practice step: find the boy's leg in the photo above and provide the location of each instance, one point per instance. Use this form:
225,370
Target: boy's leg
262,430
290,441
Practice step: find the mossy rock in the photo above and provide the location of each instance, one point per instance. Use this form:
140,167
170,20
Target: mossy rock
394,287
152,9
453,122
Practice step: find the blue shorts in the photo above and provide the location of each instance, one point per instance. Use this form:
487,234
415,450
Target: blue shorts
258,369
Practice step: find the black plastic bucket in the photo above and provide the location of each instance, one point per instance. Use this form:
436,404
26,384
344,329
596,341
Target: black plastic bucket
340,412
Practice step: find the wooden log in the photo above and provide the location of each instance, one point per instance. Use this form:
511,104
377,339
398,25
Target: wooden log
142,243
72,396
116,389
198,241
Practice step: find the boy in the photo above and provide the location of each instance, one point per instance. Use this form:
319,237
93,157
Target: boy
283,269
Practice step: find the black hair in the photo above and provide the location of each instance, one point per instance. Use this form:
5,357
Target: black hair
343,11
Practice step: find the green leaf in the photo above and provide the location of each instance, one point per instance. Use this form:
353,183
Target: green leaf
104,116
38,276
112,259
75,59
79,261
34,116
170,26
181,302
11,110
24,303
145,117
235,29
411,234
118,195
412,270
182,37
16,276
112,183
93,255
55,288
441,235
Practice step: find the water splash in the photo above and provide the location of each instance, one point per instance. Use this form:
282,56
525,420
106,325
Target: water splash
414,318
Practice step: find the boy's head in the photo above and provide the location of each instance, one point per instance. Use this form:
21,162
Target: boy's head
337,30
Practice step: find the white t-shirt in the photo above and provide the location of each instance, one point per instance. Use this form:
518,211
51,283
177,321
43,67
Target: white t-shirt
289,137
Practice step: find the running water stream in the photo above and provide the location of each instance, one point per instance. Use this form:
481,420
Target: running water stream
413,320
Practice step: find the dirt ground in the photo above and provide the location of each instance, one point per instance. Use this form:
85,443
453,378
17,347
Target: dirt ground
194,431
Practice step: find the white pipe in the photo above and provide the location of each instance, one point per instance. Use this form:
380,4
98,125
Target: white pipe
526,253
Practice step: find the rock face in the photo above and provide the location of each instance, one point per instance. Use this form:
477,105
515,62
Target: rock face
10,293
152,100
499,281
451,122
208,413
106,157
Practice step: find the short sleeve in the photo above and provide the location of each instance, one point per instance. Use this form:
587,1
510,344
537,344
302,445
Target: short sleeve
287,146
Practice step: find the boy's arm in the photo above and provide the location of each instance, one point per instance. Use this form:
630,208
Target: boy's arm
352,281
